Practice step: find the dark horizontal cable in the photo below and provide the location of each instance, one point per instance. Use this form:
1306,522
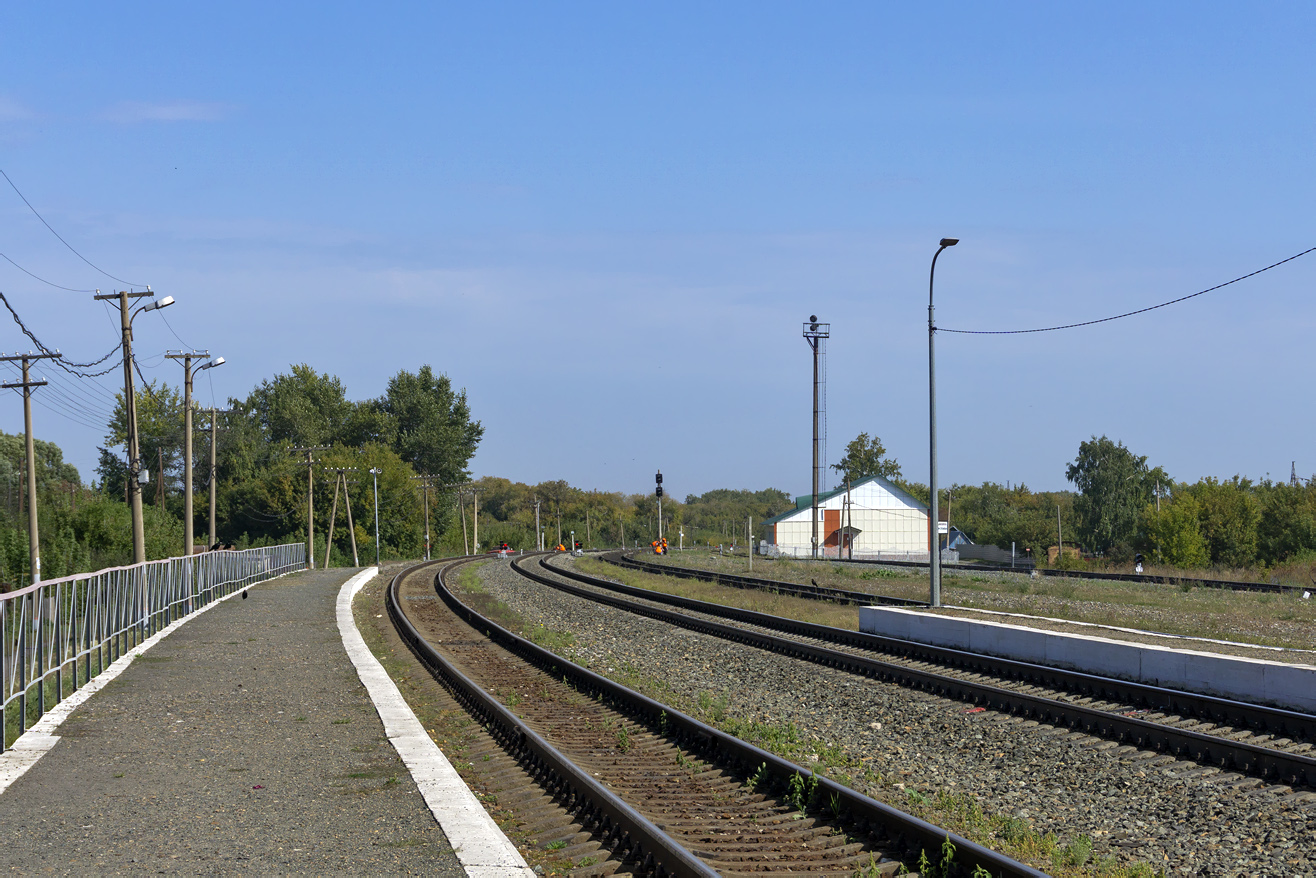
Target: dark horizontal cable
61,239
40,278
1128,313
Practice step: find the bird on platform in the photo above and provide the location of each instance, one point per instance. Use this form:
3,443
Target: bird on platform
244,594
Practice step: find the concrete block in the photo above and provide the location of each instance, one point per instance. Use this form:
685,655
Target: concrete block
1227,676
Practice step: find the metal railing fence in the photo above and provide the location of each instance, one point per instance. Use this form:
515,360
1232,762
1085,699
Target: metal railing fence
57,635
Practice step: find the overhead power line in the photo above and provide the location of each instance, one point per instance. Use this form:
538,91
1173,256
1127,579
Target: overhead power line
40,278
72,368
61,237
1129,313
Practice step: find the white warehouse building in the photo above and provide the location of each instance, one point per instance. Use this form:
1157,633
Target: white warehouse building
878,518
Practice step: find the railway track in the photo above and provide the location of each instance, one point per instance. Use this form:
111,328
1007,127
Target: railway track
1152,578
613,782
1263,745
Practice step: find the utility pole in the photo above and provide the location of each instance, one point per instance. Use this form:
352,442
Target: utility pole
460,505
1060,540
135,471
815,333
33,537
187,357
375,471
539,537
310,499
425,485
214,432
749,540
934,519
341,475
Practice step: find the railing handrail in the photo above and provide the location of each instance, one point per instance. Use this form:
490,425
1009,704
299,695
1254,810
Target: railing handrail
57,634
27,589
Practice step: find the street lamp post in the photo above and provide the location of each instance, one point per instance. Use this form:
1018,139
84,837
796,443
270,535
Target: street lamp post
187,357
130,410
375,471
934,545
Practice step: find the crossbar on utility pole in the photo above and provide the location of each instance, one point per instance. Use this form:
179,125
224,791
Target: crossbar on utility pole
309,463
33,537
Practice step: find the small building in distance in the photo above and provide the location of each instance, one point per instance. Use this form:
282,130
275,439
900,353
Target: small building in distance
882,522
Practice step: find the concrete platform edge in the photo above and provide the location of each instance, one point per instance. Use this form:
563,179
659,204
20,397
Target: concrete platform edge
483,850
1244,679
40,737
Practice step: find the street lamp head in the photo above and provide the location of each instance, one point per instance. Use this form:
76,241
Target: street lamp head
949,242
160,303
218,361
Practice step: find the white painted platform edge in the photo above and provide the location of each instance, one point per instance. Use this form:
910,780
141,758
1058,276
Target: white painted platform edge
481,847
1130,630
40,737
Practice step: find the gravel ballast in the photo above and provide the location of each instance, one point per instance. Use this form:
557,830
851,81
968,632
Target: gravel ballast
1185,820
243,742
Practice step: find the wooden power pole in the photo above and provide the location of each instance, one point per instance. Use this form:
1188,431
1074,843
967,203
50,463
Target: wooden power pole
33,537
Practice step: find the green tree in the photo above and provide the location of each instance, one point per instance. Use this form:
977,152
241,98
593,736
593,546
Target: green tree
1229,514
1114,486
159,440
1174,532
301,408
866,456
1288,521
432,427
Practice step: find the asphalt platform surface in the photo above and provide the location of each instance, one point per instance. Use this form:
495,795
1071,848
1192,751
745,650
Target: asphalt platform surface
243,742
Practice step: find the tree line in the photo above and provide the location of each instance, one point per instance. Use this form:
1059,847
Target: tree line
1122,506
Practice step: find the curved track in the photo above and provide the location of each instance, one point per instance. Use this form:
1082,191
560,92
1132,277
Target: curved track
619,781
1255,740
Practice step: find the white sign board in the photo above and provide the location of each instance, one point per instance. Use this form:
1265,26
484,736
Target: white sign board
943,527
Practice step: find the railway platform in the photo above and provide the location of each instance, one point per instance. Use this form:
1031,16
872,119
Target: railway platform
245,741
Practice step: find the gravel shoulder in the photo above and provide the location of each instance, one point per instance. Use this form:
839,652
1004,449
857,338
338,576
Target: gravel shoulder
243,742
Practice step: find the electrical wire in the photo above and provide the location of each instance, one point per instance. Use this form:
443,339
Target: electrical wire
42,279
176,335
1128,313
61,239
74,368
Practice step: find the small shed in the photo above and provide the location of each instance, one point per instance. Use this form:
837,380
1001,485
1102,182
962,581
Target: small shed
875,516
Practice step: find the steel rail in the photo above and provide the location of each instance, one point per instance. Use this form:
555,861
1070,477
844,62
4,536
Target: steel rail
1195,705
1207,749
616,821
904,830
1151,578
622,559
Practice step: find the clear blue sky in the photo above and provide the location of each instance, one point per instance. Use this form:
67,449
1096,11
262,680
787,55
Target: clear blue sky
608,221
